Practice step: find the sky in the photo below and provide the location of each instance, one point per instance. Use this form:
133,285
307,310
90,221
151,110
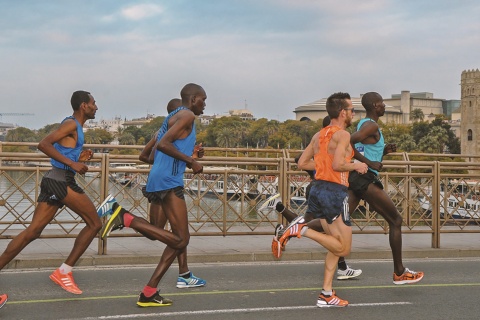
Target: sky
268,56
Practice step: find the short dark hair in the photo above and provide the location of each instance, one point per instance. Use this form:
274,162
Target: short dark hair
326,122
336,103
189,90
79,97
173,104
369,98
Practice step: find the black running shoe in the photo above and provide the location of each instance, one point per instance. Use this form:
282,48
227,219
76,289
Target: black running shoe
154,301
115,222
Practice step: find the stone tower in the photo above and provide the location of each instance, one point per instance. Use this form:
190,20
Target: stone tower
470,112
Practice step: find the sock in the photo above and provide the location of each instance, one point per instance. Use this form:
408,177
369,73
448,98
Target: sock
304,229
149,291
327,293
185,275
65,268
280,207
342,265
127,219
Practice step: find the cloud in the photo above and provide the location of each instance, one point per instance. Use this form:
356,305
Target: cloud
141,11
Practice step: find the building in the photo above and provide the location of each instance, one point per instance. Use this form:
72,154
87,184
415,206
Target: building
398,107
4,128
470,113
244,114
111,125
317,110
139,122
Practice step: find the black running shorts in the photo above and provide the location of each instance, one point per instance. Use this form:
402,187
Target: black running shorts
53,188
359,183
157,197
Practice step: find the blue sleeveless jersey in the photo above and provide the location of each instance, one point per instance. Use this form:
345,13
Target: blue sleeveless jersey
71,153
373,152
167,172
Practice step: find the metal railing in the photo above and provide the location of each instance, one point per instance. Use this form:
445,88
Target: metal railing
432,197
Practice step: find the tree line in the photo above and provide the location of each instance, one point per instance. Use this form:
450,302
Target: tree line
233,132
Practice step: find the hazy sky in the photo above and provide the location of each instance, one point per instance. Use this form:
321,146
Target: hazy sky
134,56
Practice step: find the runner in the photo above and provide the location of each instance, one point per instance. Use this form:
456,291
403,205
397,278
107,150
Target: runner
58,188
370,149
176,140
329,154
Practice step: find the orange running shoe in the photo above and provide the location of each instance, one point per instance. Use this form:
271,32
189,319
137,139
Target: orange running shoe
292,230
65,281
408,276
3,299
331,301
276,247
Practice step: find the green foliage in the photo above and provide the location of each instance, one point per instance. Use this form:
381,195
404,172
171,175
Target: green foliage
21,134
98,136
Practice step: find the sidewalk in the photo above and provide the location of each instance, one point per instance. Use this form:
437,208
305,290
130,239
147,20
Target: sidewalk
50,253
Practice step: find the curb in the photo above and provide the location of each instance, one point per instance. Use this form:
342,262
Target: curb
36,262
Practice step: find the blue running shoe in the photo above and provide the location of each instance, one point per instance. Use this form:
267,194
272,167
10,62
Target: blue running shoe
106,207
190,282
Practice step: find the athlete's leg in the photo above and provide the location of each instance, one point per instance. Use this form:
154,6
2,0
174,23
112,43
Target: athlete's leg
159,219
81,204
42,216
175,210
337,239
379,201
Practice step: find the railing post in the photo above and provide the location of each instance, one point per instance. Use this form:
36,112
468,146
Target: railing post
102,244
436,205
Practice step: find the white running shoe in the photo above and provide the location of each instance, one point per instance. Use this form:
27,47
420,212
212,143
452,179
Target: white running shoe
271,202
348,273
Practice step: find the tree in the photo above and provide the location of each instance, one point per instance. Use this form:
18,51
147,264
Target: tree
417,114
21,134
98,136
127,139
434,141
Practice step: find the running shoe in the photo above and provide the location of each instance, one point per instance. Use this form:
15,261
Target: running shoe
154,301
115,222
271,202
331,301
3,299
348,273
190,282
65,281
276,247
408,276
292,230
106,207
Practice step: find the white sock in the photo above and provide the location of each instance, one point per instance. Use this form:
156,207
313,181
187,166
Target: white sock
65,268
304,229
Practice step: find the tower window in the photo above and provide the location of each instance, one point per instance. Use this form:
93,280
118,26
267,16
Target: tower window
469,135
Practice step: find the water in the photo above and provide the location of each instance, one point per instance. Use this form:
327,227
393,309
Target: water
18,194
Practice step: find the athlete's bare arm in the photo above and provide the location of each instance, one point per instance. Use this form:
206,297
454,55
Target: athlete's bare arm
180,126
66,135
306,162
342,148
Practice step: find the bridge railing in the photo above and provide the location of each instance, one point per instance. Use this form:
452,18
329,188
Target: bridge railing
432,197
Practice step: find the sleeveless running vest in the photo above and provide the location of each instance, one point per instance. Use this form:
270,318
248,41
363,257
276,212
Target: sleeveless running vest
324,160
71,153
373,152
167,172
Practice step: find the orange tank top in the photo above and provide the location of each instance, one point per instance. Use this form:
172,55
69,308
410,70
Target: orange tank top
324,160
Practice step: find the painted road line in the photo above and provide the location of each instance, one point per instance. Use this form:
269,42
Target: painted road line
229,311
204,293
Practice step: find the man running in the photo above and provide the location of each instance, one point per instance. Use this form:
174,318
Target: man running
370,149
185,279
176,141
329,154
344,272
58,188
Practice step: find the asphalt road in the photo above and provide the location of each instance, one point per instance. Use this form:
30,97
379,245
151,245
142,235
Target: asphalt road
276,290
